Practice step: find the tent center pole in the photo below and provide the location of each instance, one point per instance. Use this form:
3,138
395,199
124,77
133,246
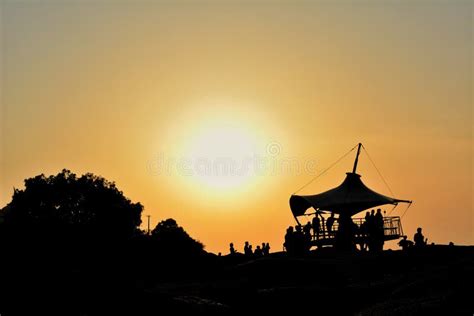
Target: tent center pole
357,158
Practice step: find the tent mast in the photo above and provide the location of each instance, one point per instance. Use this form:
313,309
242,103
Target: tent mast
357,158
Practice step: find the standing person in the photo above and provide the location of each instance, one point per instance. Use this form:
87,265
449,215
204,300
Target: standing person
345,233
231,248
419,239
307,237
378,218
329,223
323,226
247,249
364,232
289,240
371,231
307,231
316,225
379,230
371,222
366,223
267,249
299,243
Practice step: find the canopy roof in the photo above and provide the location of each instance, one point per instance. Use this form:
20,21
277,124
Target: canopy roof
350,197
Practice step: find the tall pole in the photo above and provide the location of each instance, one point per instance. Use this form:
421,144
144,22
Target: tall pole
148,224
357,158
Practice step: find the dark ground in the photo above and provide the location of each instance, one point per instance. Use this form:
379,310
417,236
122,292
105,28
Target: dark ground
129,281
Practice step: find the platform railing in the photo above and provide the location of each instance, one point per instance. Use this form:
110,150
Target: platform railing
391,226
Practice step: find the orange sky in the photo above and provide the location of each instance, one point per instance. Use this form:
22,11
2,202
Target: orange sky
113,88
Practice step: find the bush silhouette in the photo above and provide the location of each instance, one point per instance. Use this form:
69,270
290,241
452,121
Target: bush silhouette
171,239
65,206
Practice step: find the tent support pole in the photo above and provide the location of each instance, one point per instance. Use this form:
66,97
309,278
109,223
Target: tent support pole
296,218
357,158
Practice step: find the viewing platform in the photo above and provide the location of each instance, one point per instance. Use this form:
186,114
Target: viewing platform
392,230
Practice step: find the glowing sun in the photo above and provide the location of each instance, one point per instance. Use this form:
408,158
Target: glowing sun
221,156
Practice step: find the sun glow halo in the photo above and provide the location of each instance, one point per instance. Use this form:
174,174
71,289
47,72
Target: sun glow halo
221,157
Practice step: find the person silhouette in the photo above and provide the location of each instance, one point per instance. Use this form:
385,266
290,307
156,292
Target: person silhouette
316,226
379,220
371,221
378,237
371,230
419,239
307,234
231,249
405,244
267,249
329,223
289,240
263,249
307,228
258,252
247,248
364,232
301,242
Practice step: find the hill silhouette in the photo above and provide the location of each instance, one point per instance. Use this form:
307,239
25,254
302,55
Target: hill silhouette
59,256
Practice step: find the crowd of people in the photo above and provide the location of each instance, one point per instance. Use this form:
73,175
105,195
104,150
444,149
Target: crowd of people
419,241
263,250
369,234
373,231
298,239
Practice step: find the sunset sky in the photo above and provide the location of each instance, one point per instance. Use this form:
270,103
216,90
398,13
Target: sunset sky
154,94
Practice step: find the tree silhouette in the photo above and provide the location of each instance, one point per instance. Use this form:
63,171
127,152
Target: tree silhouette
171,239
68,206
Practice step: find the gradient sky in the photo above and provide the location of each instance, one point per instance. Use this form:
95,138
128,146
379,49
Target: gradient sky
118,87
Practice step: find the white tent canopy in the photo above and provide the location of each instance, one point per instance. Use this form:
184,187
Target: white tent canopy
349,198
